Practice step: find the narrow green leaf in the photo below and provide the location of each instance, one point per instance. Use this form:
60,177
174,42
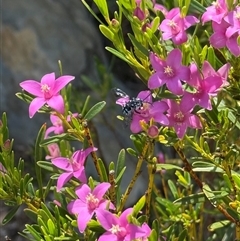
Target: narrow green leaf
138,45
31,214
191,199
153,236
10,215
38,156
34,232
183,235
46,165
120,161
139,205
173,188
103,170
107,32
119,55
57,138
94,110
196,6
103,8
167,167
221,224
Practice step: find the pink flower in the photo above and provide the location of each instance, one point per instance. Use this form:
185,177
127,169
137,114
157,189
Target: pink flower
219,39
2,169
216,12
54,151
89,202
169,72
57,127
46,92
118,228
233,18
148,111
73,166
174,26
207,84
180,117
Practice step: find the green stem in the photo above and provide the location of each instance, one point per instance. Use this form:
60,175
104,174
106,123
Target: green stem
135,176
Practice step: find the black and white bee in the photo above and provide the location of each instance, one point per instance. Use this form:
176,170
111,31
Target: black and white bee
131,104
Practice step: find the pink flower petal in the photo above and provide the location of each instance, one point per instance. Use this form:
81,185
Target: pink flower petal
56,103
63,179
108,236
80,174
83,218
62,163
61,82
49,79
101,189
33,87
155,82
76,206
83,191
35,105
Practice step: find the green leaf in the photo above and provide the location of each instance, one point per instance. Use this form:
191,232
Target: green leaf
211,58
10,215
201,166
221,224
34,232
153,236
103,8
107,32
38,156
46,165
120,161
94,110
196,6
31,214
183,235
173,188
191,199
139,205
119,55
103,171
57,138
138,45
167,167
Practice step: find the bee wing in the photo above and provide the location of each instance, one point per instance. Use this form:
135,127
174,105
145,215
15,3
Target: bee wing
119,93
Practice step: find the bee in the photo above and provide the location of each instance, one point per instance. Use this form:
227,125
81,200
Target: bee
129,104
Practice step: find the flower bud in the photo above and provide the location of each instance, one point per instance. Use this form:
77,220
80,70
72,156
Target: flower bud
153,131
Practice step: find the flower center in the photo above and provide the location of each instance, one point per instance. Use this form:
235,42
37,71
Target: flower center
92,201
168,71
46,91
45,88
75,165
118,231
237,16
174,27
179,116
144,110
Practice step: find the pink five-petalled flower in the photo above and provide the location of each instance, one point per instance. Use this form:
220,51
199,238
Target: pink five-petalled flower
169,72
174,26
89,202
216,12
149,110
46,92
73,166
180,117
118,228
207,84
